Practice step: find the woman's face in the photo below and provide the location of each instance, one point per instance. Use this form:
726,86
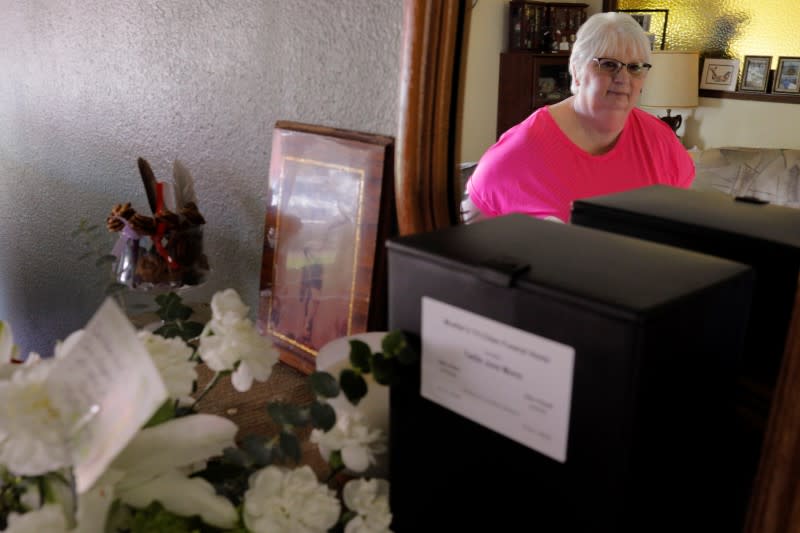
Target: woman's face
601,92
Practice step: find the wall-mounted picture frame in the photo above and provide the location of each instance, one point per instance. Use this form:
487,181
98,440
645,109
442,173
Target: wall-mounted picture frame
652,21
719,74
330,208
787,76
755,74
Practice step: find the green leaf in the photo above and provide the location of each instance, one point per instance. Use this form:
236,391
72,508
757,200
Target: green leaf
191,330
335,460
290,446
383,368
323,384
171,307
237,457
323,416
256,448
186,330
359,355
164,413
395,344
155,518
105,259
353,385
287,414
169,330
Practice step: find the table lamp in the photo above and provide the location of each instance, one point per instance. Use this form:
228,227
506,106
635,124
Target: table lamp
672,83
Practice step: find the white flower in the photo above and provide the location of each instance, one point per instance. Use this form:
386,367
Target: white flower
31,437
358,443
281,500
63,347
49,518
154,466
171,357
370,499
230,341
227,303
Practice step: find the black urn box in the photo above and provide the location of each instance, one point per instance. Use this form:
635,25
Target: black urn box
655,333
743,229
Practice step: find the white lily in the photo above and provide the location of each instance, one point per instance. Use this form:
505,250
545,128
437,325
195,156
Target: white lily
155,465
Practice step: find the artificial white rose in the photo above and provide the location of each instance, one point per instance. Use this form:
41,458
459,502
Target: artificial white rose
370,499
31,438
49,518
230,342
357,443
228,302
171,358
281,499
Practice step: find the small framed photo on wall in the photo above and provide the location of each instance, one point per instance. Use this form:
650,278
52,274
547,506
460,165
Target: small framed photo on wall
719,74
787,76
755,74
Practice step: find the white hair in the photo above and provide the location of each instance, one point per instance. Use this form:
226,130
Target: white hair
605,33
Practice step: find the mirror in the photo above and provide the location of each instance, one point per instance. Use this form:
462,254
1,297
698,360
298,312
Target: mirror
432,68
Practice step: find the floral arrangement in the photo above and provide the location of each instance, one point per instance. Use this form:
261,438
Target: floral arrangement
183,471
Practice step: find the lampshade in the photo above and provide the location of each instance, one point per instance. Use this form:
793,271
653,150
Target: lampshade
673,81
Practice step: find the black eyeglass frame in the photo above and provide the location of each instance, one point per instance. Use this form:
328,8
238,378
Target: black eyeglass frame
644,67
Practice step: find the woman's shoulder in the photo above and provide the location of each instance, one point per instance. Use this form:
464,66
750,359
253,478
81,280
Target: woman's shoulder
526,132
648,121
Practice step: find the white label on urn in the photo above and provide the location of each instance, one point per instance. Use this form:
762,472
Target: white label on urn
511,381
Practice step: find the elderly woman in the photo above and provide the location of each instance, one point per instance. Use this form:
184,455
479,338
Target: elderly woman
594,142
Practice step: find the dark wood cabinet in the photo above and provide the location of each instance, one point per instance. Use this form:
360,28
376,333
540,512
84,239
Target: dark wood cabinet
528,81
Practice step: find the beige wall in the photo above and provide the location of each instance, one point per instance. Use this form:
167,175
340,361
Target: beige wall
717,122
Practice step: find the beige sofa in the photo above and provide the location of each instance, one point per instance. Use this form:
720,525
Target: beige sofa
769,174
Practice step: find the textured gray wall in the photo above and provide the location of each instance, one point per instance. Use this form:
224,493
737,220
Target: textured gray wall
87,86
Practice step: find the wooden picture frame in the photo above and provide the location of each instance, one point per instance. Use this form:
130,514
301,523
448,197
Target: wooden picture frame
719,74
755,74
787,76
329,210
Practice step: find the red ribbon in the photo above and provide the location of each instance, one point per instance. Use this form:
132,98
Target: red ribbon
161,229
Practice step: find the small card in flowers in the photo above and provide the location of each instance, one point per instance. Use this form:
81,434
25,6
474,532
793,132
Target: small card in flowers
108,387
511,381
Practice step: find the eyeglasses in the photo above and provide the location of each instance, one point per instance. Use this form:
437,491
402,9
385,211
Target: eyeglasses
612,66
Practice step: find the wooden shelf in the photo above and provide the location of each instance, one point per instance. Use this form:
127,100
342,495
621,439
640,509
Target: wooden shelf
760,97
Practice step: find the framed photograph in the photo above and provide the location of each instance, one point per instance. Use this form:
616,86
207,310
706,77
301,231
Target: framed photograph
755,74
652,21
719,74
787,76
329,210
